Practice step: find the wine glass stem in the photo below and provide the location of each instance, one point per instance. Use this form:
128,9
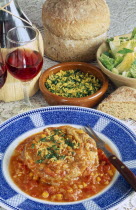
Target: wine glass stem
26,93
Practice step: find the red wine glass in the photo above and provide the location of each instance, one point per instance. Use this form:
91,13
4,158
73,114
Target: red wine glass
24,59
3,70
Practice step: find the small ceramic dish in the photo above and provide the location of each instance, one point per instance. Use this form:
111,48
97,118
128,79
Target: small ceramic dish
118,80
88,101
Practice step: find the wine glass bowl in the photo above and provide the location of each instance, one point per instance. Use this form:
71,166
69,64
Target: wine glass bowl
24,58
24,61
3,74
24,64
3,70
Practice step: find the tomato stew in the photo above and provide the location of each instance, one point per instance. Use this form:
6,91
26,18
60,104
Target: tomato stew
80,188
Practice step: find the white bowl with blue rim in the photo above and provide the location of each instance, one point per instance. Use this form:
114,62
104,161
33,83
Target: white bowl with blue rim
119,137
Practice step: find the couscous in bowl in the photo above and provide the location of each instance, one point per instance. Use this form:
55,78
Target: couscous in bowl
86,101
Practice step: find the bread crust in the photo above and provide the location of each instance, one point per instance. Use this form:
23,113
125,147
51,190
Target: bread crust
76,19
121,103
122,94
64,50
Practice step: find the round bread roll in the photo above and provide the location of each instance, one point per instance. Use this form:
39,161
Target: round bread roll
64,50
74,29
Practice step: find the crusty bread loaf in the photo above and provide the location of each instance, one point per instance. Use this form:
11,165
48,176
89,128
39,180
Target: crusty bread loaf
121,103
71,50
69,24
76,19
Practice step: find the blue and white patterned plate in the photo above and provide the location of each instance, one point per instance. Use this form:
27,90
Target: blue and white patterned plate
119,136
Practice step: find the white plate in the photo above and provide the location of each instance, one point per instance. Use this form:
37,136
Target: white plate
114,132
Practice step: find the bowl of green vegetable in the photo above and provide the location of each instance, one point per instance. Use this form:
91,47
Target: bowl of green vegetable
73,83
117,59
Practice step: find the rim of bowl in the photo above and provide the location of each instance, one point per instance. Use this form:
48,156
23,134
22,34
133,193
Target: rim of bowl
104,69
100,92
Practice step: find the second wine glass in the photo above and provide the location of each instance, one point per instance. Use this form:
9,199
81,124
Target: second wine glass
3,70
24,58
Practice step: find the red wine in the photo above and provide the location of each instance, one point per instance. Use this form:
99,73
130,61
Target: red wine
3,74
24,64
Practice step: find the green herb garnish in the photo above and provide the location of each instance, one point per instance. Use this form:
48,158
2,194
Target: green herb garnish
51,138
72,83
39,153
49,156
43,139
39,161
57,131
62,157
32,146
69,143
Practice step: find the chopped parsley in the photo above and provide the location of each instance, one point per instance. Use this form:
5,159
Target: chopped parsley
32,146
51,146
39,153
48,139
39,161
69,143
57,131
43,139
62,157
49,156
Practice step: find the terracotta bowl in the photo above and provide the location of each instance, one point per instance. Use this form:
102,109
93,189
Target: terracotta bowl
88,101
118,80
